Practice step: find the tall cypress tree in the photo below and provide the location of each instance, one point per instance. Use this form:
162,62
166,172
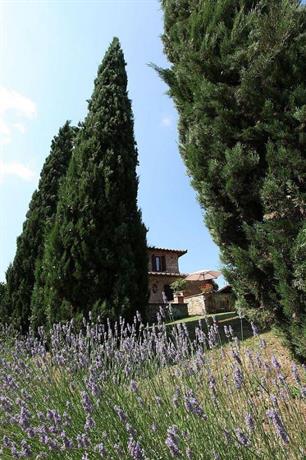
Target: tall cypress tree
238,80
30,244
3,303
95,257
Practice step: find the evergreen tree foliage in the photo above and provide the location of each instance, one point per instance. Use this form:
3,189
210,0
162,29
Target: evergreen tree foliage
237,77
3,303
21,274
95,256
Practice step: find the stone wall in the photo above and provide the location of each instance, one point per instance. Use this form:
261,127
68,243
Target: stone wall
196,304
200,304
171,260
156,287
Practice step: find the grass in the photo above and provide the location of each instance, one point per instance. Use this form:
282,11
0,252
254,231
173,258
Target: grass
169,391
196,318
241,328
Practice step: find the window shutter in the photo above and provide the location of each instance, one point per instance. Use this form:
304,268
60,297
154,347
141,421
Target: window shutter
153,264
163,263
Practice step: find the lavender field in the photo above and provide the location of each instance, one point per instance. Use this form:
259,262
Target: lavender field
141,392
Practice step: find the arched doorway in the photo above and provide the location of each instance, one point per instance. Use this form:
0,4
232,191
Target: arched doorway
168,292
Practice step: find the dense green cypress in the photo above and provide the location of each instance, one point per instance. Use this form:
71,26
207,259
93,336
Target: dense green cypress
3,303
238,80
95,257
30,244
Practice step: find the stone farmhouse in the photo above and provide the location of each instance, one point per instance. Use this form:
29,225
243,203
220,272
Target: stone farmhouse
163,270
198,296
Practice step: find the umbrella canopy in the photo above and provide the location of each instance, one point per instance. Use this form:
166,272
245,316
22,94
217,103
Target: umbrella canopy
203,275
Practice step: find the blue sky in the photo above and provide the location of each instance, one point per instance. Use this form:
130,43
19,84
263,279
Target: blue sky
49,54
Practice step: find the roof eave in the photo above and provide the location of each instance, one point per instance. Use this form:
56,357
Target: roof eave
180,275
181,252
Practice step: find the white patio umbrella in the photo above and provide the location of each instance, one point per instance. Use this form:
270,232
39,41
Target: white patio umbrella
203,275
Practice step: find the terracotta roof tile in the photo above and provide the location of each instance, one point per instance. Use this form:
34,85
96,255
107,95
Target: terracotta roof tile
178,251
181,275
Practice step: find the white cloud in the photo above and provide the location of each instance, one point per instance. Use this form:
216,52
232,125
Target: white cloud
4,133
20,127
11,100
4,129
21,107
16,169
166,121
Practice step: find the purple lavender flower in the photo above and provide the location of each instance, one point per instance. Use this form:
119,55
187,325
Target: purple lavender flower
200,359
226,332
30,432
67,443
6,404
295,373
281,378
172,441
274,400
236,356
254,329
82,440
130,430
6,441
121,414
242,438
259,361
135,449
40,416
189,454
134,386
212,384
44,438
53,444
250,423
127,370
172,446
192,405
278,425
138,316
212,337
26,451
86,402
24,418
14,451
66,419
100,449
275,363
176,397
89,424
238,377
93,387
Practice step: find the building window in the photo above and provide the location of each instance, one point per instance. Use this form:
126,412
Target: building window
158,263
